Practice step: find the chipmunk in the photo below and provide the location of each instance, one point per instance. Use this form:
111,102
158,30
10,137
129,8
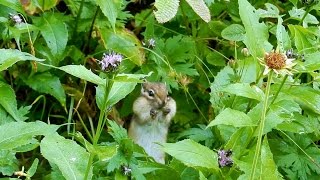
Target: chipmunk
153,111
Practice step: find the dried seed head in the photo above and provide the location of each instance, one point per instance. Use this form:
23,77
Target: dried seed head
275,60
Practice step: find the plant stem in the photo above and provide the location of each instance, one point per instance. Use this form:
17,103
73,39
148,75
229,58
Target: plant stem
102,120
281,85
261,127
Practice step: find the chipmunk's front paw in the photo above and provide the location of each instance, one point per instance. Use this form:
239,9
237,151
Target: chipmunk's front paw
166,111
153,113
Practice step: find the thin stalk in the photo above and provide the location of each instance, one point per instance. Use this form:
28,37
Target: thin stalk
261,127
281,85
77,20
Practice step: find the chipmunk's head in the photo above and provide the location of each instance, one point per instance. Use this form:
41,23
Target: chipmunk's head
156,92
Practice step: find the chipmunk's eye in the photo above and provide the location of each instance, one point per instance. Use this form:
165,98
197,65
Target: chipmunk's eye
151,92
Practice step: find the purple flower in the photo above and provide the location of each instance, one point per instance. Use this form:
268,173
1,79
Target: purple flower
224,158
16,18
110,61
150,43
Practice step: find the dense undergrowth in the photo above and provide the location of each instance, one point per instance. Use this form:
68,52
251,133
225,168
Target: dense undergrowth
245,76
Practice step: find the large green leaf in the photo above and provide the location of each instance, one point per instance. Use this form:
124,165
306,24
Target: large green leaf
307,97
118,91
201,9
268,166
16,134
233,118
302,38
9,103
54,31
71,158
256,37
11,56
192,154
82,73
245,90
166,10
124,42
8,162
109,9
13,4
234,32
49,84
311,63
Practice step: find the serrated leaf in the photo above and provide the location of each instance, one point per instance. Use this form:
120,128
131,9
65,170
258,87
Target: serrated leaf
8,162
11,56
186,68
118,91
302,38
232,118
166,10
245,90
234,32
192,154
71,158
49,84
311,63
305,96
54,32
124,42
283,39
201,9
82,73
256,37
16,134
9,103
109,9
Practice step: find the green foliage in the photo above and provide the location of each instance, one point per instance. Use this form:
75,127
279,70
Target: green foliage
78,65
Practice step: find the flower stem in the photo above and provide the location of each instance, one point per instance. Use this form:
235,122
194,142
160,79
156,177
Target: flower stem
102,120
281,85
261,127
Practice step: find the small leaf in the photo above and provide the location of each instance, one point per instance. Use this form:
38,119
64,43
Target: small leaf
245,90
166,10
82,73
9,103
271,12
234,32
32,170
16,134
11,56
299,15
49,84
54,31
233,118
8,162
283,39
124,42
201,9
109,9
71,158
192,154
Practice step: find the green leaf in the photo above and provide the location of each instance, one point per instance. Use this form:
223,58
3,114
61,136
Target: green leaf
233,118
11,56
118,91
201,9
166,10
256,37
82,73
71,158
268,166
283,39
109,9
117,132
9,103
32,170
271,12
54,32
245,90
299,14
192,154
49,84
8,162
186,68
124,42
307,97
234,32
13,4
311,63
16,134
302,38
